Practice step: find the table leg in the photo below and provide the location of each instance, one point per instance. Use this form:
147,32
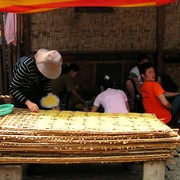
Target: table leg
11,172
154,170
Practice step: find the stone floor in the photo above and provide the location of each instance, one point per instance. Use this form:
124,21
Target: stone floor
121,171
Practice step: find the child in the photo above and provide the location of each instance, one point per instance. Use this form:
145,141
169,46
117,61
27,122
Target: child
155,97
112,100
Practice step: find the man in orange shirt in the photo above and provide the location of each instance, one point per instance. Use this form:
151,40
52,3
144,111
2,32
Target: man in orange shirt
154,96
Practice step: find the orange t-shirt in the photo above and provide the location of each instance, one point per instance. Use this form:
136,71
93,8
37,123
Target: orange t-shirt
150,92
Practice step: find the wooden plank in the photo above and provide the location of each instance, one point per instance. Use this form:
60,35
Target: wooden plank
154,170
87,159
117,52
11,172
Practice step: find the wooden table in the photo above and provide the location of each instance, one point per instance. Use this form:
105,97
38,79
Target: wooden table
61,137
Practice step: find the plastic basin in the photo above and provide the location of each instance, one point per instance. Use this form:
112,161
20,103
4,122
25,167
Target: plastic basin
6,109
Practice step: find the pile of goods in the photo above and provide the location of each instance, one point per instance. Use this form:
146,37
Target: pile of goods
83,137
6,99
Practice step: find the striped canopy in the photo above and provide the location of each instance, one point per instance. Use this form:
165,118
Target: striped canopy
33,6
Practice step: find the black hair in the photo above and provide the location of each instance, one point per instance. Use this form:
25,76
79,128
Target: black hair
68,67
143,67
74,67
106,82
141,57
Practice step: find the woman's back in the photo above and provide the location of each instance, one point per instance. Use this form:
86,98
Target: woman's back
112,100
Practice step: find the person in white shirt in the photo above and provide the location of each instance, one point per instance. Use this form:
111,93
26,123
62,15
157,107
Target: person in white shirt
133,84
112,100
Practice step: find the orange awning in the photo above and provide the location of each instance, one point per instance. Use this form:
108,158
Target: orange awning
32,6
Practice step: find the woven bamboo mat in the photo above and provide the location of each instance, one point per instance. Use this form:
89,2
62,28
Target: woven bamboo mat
83,122
80,137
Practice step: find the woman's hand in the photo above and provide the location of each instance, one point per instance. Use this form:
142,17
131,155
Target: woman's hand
32,106
86,109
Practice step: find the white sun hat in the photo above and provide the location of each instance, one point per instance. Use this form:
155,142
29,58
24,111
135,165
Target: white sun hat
49,63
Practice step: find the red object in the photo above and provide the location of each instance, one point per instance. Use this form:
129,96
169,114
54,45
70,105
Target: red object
27,6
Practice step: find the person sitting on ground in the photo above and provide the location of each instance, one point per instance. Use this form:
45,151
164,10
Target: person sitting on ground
64,86
32,77
134,82
154,97
112,100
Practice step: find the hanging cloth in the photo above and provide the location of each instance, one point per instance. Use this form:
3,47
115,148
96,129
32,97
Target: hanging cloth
11,28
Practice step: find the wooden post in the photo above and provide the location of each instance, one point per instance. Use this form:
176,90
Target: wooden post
122,67
27,34
11,172
1,58
94,75
4,56
160,39
154,170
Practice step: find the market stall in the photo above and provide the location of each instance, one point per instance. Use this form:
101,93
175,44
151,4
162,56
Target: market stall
61,137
